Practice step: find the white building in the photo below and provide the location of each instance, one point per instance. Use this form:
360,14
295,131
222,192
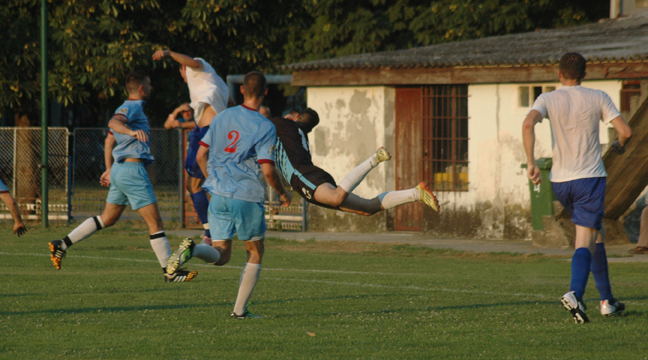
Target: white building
451,115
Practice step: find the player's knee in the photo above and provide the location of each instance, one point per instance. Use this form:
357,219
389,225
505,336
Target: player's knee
224,259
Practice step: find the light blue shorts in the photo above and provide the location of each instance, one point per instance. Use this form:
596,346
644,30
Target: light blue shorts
3,188
129,183
228,216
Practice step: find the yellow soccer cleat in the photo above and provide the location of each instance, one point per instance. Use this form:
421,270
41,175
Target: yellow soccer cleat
382,155
57,253
427,197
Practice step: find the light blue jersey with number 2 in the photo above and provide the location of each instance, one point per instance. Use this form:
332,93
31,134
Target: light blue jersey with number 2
239,139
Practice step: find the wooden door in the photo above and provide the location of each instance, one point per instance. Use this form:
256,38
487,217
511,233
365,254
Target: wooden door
408,155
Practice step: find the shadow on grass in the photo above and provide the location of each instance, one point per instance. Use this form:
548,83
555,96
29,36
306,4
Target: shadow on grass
115,309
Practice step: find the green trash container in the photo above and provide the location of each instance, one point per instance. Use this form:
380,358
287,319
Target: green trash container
542,196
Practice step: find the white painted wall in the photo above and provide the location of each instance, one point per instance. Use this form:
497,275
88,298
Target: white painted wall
354,122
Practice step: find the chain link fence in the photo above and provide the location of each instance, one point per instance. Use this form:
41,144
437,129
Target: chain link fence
76,162
20,158
89,197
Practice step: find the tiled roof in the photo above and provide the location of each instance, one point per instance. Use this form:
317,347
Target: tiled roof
620,40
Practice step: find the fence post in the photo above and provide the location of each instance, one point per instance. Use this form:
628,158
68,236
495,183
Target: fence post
304,215
181,135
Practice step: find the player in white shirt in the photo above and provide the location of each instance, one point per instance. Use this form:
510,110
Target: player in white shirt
209,97
578,176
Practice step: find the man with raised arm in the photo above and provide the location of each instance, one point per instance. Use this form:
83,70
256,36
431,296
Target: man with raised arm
209,97
578,177
128,144
239,143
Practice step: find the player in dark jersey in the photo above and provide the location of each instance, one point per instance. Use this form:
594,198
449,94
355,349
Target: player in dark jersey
318,187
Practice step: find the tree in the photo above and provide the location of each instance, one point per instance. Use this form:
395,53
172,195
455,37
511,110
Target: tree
338,27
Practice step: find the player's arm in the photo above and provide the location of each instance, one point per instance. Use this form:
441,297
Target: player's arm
172,123
201,158
274,179
179,58
118,125
625,133
109,145
19,227
528,136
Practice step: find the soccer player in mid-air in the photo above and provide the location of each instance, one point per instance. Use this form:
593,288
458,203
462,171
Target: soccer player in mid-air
318,187
209,96
239,142
129,146
578,175
19,226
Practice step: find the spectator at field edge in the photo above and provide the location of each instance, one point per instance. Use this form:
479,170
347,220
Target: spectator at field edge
209,96
19,227
129,183
238,143
642,244
578,177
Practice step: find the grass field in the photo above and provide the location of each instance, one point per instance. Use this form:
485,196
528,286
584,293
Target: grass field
320,300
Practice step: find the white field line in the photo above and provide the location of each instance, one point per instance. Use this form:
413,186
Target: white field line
408,287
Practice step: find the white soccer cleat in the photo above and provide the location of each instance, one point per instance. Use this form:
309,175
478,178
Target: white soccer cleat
382,155
575,306
611,308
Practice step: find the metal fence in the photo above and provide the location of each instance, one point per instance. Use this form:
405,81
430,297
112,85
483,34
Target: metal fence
75,168
20,158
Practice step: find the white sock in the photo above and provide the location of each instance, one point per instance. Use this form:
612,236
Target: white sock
248,280
355,177
392,199
161,247
83,231
206,253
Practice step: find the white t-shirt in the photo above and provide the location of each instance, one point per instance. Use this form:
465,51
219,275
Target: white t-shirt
574,113
206,87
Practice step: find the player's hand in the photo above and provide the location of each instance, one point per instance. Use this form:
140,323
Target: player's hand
533,173
617,148
19,228
285,199
104,180
140,135
160,54
184,107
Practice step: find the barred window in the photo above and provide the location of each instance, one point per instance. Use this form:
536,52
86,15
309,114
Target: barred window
445,137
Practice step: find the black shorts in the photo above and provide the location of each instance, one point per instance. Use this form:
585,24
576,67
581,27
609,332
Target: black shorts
306,180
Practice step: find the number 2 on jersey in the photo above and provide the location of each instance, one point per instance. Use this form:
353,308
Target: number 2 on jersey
231,148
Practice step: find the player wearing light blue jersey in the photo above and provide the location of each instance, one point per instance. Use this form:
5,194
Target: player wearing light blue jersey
129,183
209,96
19,227
238,144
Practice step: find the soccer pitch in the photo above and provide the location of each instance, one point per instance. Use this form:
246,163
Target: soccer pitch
320,300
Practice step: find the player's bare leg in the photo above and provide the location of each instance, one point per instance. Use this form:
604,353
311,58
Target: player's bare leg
110,215
200,203
249,278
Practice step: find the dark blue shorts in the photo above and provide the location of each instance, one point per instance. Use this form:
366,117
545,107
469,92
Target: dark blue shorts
192,167
584,199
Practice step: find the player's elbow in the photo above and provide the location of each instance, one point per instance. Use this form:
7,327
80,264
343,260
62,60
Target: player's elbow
626,133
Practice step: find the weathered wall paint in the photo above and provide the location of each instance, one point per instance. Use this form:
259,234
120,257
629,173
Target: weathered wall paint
355,121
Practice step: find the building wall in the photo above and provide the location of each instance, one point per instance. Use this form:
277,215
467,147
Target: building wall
355,121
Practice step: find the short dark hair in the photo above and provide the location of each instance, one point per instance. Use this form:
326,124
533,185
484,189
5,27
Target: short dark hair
572,66
135,79
254,84
309,119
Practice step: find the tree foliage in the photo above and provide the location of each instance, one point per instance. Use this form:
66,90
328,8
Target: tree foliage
93,44
339,27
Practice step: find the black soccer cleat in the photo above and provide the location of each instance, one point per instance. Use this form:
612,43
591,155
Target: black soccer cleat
57,253
576,306
180,276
